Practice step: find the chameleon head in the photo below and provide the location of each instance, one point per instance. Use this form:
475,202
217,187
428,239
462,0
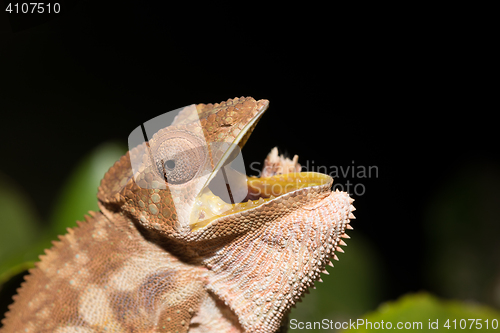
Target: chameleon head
261,251
175,179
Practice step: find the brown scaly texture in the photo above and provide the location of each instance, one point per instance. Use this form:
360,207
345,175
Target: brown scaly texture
137,266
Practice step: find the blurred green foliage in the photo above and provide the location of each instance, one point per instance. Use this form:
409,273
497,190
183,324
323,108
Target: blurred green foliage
19,229
434,315
78,195
462,229
22,239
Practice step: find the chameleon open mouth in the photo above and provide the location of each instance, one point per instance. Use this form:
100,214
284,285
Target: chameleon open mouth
209,206
253,191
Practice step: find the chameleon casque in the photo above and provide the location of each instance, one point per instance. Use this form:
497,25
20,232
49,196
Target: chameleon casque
166,258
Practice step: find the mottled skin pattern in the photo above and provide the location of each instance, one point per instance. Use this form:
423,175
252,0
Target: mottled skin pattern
136,266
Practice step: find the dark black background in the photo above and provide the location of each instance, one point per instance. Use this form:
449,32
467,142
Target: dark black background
410,94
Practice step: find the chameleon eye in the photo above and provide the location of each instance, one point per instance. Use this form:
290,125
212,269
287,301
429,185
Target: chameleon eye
179,159
170,165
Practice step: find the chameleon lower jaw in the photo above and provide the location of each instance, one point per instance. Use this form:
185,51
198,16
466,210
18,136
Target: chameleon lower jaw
209,207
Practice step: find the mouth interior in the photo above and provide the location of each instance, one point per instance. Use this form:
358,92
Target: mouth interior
209,206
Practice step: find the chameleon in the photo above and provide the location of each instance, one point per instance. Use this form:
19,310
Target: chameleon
168,259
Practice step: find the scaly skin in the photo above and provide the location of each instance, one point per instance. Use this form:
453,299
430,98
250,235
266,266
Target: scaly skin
140,265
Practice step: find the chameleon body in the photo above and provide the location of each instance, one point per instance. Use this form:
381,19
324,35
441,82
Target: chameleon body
163,260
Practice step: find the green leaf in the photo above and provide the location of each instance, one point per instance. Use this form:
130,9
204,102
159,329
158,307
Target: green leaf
423,311
19,228
21,239
78,195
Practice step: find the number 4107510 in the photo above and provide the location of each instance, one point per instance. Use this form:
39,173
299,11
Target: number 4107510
33,7
471,324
